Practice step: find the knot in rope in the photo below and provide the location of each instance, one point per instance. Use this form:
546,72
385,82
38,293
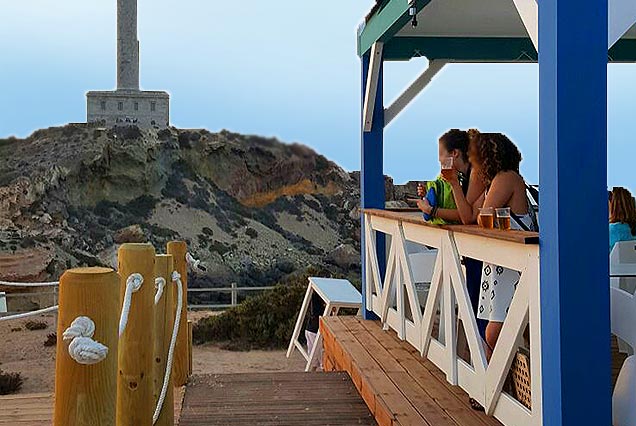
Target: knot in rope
133,284
160,283
83,349
175,276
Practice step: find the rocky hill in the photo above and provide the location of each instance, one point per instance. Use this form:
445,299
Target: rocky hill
252,209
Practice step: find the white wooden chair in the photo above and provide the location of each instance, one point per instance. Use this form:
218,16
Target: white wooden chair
624,252
623,312
336,294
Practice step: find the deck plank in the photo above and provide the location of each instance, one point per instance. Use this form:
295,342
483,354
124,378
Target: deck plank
400,374
274,399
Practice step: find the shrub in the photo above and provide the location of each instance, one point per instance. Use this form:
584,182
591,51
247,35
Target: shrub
251,232
263,321
10,383
35,325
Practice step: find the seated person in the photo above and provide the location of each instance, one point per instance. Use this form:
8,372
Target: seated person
622,216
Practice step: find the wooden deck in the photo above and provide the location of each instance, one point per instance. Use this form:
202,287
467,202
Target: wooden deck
37,409
399,386
289,399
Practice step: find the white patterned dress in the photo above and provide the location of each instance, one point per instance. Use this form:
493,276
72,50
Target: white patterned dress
498,285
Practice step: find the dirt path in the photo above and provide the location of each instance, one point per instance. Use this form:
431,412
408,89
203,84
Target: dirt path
24,351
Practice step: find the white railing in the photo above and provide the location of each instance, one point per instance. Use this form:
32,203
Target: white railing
234,291
395,300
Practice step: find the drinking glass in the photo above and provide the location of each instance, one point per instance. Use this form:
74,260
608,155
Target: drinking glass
503,218
447,168
486,217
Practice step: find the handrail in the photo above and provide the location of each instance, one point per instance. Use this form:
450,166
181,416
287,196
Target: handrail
234,290
393,296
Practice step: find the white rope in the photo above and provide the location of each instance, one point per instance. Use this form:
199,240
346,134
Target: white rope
133,283
46,284
193,263
83,348
160,283
176,278
28,314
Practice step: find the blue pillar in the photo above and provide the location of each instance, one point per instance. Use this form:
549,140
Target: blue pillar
371,172
575,321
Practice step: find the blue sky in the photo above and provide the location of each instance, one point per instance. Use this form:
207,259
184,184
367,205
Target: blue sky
284,68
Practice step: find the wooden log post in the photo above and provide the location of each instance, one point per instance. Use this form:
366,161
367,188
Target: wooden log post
86,394
164,323
178,250
135,402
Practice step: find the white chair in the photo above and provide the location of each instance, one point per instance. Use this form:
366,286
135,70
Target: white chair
623,313
336,294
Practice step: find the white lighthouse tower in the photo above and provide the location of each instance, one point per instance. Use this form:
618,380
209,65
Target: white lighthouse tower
127,104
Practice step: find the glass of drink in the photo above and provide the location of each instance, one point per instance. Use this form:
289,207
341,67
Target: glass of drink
447,168
487,217
503,218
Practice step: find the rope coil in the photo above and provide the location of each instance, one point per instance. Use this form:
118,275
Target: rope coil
83,349
176,278
133,284
193,263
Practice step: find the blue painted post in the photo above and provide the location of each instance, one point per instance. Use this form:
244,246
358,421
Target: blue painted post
372,173
575,321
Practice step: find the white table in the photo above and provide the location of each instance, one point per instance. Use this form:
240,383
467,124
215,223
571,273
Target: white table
623,270
336,294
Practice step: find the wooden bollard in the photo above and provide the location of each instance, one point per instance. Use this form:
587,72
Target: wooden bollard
178,250
135,403
164,323
86,394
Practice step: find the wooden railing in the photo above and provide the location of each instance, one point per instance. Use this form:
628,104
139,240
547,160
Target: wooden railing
433,328
234,291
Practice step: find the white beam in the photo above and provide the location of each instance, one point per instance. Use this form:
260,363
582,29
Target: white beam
622,16
372,84
413,90
529,14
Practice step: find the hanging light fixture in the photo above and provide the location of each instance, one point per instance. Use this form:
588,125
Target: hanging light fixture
413,14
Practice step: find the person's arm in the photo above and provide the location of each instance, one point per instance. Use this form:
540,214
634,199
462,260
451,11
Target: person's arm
450,215
468,205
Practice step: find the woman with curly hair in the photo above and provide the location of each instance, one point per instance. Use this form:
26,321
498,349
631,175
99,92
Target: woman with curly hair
622,216
497,160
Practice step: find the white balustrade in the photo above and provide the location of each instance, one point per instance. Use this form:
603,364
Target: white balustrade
394,299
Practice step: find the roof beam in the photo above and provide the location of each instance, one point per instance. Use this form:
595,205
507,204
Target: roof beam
372,85
529,14
413,90
386,22
622,16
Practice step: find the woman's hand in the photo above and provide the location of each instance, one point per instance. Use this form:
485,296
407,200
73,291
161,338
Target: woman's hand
425,206
451,178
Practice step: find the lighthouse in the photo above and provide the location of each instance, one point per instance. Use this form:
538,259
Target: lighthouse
128,105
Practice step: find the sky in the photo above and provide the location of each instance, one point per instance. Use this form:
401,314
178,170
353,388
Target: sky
283,68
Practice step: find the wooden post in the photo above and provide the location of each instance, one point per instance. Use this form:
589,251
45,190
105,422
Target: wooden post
135,404
164,322
86,394
234,295
178,250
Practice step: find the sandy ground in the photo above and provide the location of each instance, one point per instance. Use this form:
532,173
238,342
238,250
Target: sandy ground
23,351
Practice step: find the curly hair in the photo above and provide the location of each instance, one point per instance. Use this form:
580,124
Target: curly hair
456,139
494,153
622,208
